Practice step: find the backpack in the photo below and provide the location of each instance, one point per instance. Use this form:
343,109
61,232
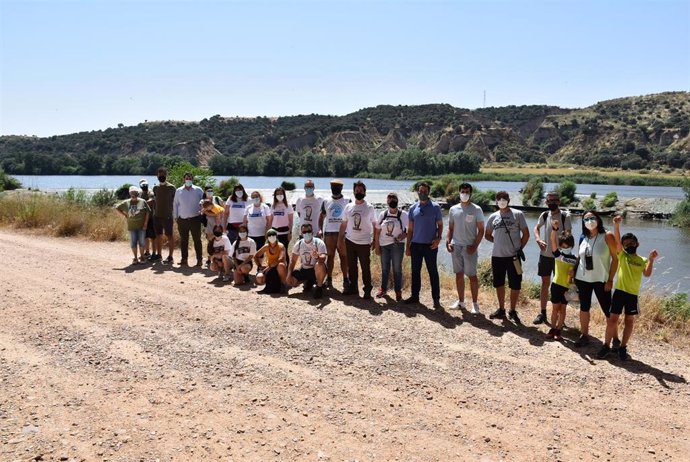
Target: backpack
543,216
398,216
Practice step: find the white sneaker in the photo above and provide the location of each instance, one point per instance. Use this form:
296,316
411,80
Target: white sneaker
475,308
457,305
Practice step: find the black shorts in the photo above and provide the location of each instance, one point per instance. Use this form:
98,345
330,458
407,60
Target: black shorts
585,290
305,275
545,266
500,266
163,226
558,294
239,263
624,301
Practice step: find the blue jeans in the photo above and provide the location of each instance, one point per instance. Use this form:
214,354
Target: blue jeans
424,252
392,253
138,236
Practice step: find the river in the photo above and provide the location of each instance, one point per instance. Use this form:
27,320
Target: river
671,271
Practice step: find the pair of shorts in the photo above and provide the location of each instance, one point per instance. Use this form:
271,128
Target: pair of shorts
463,262
558,294
621,301
163,226
500,266
239,263
150,230
305,275
137,237
546,266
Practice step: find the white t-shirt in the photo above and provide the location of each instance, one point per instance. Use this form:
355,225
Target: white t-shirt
222,245
244,250
308,209
256,219
333,208
237,209
361,220
305,251
281,215
392,227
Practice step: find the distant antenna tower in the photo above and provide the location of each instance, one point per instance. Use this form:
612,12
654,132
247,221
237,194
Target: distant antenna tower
484,104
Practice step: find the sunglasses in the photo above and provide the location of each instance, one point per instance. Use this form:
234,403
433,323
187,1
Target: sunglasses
590,219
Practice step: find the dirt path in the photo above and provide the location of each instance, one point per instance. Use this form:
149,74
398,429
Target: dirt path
99,361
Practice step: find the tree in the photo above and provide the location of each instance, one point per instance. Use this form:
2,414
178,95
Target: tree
202,176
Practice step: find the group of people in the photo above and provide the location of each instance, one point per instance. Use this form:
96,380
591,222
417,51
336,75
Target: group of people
244,231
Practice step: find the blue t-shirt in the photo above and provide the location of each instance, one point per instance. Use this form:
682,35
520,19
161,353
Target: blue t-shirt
424,217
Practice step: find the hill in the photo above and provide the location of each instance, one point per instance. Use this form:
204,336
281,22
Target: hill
651,131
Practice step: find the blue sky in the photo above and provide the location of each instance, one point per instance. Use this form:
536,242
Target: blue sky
68,66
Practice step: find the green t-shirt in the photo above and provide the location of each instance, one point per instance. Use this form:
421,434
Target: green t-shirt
136,213
630,269
563,264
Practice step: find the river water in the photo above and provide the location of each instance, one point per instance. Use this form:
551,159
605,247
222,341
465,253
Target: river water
671,271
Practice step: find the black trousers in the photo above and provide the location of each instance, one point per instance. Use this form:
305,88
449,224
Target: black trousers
186,226
361,253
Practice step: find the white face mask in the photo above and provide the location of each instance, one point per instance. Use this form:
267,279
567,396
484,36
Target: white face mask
239,194
272,239
464,197
502,203
308,237
188,183
243,235
567,250
257,200
280,197
591,225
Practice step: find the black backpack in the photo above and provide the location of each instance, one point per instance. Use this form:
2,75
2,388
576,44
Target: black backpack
398,216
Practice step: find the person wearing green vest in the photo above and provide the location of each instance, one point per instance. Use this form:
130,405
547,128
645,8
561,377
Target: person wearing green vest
631,268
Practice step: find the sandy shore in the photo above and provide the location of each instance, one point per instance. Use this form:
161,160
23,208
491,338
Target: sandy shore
103,361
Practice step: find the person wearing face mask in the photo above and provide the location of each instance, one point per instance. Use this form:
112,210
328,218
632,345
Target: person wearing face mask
389,244
465,233
282,214
631,268
310,251
137,212
258,218
187,214
356,233
221,253
423,238
561,244
308,208
546,264
244,249
164,197
235,207
596,268
147,195
507,229
329,221
214,214
274,272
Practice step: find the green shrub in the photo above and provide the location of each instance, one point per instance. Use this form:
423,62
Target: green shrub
676,307
609,199
226,187
533,192
104,198
567,191
76,196
531,289
202,176
7,182
288,185
122,192
589,204
484,273
593,195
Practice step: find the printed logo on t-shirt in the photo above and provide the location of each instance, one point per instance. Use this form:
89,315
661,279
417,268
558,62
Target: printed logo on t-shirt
243,249
132,209
308,211
256,215
357,219
390,226
336,212
237,206
279,213
306,258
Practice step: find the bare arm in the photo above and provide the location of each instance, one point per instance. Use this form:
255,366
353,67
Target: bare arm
540,242
477,240
489,234
449,235
617,232
611,242
650,263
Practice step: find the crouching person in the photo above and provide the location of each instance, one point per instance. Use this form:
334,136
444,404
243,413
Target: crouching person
244,249
311,253
221,251
274,272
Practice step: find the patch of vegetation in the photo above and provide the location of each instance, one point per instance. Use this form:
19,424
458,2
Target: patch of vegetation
533,192
288,185
681,216
609,199
7,182
567,191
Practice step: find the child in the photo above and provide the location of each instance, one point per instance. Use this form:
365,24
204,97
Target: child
564,264
214,216
221,251
631,267
274,272
244,249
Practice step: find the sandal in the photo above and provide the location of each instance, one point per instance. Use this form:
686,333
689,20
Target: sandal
135,261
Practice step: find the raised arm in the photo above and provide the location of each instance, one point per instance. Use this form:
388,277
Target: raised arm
617,232
650,263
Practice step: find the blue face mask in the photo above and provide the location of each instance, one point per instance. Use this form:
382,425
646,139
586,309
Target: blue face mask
308,237
257,201
188,183
309,191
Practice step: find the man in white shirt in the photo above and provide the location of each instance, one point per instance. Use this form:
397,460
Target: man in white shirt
357,232
187,214
308,208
